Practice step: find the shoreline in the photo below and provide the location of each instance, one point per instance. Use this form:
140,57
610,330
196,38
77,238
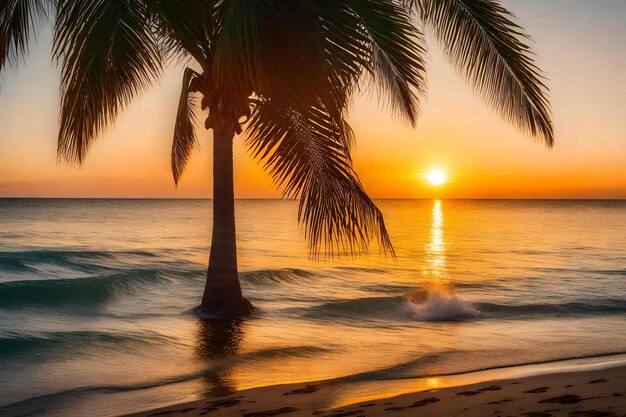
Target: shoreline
582,387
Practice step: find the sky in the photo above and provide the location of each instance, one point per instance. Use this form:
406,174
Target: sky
578,43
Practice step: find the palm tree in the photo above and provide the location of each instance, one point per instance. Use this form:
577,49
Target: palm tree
282,73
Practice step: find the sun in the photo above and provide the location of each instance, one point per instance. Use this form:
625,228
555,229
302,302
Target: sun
436,177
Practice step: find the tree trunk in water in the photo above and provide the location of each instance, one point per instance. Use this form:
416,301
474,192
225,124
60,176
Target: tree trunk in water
222,297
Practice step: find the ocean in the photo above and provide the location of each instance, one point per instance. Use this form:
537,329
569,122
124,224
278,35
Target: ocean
97,298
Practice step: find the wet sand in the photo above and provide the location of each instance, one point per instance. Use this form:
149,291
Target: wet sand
574,393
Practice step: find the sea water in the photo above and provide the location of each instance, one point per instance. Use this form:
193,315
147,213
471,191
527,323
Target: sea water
97,298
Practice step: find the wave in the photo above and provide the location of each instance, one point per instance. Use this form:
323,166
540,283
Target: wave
388,288
284,352
620,272
73,292
28,261
26,344
98,289
372,308
441,306
437,306
10,264
589,307
275,276
582,272
363,269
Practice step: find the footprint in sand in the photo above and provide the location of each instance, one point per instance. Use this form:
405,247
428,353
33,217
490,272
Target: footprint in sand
420,403
306,390
481,390
537,390
345,414
563,399
271,413
598,381
168,412
537,414
592,413
506,400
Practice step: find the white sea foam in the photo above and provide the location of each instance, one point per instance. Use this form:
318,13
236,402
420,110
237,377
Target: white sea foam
441,306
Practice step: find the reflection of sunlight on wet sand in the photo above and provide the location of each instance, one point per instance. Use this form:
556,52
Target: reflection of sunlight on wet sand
434,382
366,391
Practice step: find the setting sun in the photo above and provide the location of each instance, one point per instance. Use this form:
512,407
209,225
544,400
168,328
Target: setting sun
436,177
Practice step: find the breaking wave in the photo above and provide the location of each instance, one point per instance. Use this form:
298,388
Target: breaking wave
441,306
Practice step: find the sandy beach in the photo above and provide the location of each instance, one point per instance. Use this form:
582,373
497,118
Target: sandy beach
579,391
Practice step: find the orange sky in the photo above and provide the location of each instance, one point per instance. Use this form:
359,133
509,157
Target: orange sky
578,43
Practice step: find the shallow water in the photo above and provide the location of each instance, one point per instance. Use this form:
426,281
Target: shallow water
96,298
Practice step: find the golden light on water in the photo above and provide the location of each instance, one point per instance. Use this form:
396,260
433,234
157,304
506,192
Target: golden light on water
435,249
436,177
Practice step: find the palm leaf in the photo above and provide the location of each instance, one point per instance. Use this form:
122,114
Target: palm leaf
346,53
108,56
273,48
185,28
484,42
397,50
307,156
184,131
18,20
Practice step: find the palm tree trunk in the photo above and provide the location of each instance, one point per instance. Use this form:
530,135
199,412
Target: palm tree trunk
222,297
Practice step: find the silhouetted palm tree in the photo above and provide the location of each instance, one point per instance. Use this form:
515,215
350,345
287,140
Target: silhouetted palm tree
282,73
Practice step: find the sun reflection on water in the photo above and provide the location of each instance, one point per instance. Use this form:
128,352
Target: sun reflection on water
435,248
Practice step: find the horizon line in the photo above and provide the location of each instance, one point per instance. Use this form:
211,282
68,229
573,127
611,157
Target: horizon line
288,199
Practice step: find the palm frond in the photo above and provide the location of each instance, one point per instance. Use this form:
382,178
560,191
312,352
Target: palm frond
108,56
484,42
273,48
397,54
184,131
18,20
185,28
306,154
347,54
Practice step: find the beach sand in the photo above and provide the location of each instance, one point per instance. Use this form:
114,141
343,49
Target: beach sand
578,392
